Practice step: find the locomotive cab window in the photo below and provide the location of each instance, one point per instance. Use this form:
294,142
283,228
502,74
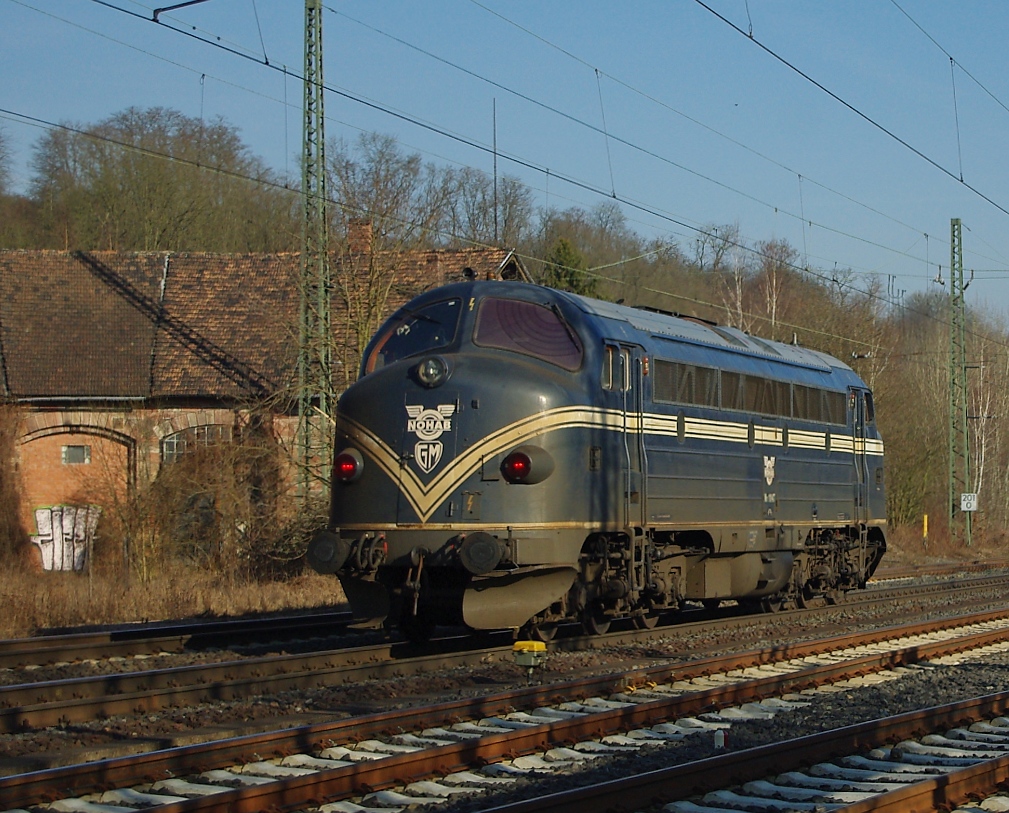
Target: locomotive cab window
525,327
616,368
411,332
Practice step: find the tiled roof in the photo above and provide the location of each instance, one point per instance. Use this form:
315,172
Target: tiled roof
65,332
106,325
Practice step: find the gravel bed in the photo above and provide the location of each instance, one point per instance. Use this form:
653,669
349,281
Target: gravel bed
921,688
176,726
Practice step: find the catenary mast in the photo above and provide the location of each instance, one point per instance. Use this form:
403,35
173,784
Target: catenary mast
315,396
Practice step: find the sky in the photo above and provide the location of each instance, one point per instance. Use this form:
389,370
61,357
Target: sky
854,130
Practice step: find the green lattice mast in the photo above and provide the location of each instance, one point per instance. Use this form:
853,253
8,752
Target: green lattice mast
959,440
315,397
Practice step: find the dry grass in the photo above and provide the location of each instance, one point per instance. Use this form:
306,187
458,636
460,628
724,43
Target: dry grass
35,600
905,546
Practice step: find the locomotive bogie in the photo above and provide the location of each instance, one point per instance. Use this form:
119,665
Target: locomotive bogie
515,456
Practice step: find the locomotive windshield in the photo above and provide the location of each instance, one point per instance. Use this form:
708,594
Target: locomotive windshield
414,331
528,328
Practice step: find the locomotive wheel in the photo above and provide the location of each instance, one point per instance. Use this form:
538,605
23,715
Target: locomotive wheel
646,620
809,601
772,604
595,621
544,631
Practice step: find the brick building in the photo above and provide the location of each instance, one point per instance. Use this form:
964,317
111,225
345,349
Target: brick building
122,362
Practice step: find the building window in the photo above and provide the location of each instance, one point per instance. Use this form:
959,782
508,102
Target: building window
75,455
197,437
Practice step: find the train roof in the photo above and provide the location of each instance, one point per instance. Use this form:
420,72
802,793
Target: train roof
694,331
633,324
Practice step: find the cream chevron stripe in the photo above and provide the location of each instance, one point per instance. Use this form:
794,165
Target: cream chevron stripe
424,498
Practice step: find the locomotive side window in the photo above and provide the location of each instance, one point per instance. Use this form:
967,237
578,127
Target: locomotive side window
766,396
611,368
834,407
733,390
814,404
413,332
528,328
685,384
806,403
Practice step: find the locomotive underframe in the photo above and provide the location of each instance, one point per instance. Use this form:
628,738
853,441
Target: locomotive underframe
409,582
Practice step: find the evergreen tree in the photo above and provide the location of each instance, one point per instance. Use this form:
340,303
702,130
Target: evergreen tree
564,269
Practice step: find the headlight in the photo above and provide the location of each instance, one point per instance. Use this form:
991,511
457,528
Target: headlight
432,371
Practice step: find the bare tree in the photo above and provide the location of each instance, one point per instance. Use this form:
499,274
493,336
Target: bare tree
5,162
734,280
777,258
479,213
388,204
158,180
713,244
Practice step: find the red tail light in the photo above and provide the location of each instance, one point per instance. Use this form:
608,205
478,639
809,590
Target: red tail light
527,465
347,466
517,467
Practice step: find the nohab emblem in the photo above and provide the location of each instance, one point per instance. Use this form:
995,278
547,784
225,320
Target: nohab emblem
429,425
768,470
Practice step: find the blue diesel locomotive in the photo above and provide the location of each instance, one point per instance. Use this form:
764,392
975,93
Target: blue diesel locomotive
516,456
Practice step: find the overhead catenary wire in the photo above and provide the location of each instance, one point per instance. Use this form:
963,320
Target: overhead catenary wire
442,131
864,116
627,143
668,107
357,211
967,73
217,43
35,121
956,116
527,164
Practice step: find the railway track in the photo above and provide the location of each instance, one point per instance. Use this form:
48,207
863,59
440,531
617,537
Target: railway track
37,705
132,640
376,760
153,639
854,769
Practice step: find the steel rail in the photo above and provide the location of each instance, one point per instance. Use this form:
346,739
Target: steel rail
26,789
146,639
174,637
684,781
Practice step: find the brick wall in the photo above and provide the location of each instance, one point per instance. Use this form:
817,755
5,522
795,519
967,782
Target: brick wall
51,477
108,452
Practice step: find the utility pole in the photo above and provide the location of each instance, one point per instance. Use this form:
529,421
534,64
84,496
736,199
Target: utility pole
315,397
962,501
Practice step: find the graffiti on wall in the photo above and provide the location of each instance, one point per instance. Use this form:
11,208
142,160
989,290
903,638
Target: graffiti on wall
65,532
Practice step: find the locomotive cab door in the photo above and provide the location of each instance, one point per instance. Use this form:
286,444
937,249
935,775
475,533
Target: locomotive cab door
860,417
624,377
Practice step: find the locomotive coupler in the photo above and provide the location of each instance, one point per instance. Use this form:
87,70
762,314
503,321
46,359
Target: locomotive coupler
370,553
